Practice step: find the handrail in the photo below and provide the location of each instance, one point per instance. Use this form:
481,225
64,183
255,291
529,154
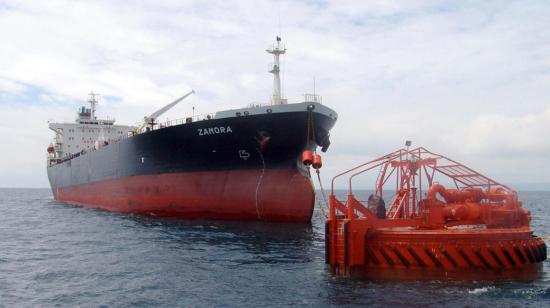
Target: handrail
357,167
362,171
408,167
476,179
186,120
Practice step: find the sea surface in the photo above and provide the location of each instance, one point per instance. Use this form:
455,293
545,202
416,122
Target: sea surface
57,255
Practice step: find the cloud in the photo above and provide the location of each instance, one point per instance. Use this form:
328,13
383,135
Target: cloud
10,86
463,78
509,136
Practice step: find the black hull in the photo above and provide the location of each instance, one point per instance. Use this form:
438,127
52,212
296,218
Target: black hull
242,167
268,141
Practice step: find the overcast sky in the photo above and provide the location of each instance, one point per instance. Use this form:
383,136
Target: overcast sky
470,79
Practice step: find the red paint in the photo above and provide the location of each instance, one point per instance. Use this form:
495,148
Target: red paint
272,195
479,230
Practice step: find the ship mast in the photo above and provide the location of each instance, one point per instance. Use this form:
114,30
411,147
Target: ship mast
277,49
93,103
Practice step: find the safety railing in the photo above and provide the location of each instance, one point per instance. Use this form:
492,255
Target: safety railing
412,170
187,120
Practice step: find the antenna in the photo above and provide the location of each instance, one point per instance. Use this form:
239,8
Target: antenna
279,17
93,102
313,85
408,144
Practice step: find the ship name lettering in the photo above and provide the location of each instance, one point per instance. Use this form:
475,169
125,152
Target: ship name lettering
214,130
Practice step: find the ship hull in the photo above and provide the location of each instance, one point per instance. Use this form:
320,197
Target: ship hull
234,168
225,195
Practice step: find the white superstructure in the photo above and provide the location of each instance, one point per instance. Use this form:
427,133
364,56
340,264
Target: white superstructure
88,133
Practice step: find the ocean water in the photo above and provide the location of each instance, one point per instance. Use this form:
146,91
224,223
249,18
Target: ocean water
57,255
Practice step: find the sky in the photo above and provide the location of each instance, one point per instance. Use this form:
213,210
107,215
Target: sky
469,79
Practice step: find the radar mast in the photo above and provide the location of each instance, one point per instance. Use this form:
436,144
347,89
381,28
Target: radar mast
277,49
93,102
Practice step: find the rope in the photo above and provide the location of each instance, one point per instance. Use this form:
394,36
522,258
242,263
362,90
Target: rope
259,182
312,126
308,127
311,133
322,193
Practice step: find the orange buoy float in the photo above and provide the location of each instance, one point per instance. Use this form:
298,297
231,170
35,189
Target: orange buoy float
317,163
307,157
477,230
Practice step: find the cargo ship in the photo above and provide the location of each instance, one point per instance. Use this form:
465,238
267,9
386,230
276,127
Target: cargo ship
239,164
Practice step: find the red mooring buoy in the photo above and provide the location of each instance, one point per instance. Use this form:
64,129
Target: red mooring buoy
476,230
317,163
307,157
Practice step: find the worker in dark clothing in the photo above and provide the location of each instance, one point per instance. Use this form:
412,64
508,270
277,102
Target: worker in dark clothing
381,209
377,206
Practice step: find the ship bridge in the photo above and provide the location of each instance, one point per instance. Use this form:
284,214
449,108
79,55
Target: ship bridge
86,134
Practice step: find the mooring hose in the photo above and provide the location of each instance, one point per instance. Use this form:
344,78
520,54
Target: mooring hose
322,193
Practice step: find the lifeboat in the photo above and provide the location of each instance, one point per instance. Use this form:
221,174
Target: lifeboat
442,220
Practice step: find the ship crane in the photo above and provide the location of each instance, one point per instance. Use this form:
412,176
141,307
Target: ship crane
150,120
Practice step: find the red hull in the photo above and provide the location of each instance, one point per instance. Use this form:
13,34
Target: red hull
272,195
